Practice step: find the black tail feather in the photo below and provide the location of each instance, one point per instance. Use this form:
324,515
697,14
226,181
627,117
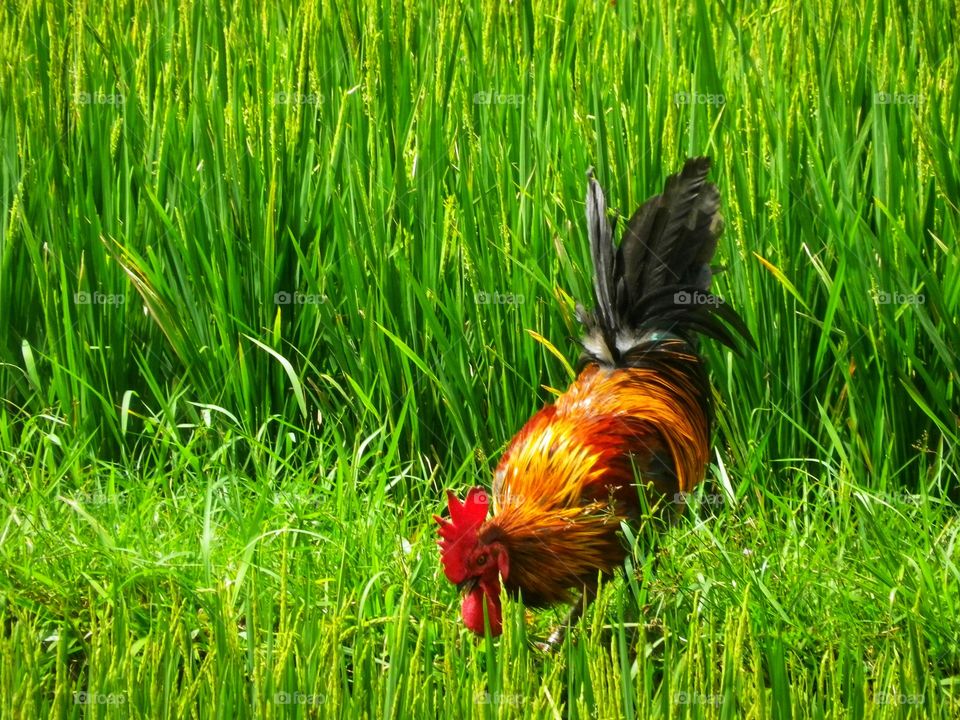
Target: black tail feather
656,284
601,251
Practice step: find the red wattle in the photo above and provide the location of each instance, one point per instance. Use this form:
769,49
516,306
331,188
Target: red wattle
472,611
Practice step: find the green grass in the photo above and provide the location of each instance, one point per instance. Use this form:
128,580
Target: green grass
216,503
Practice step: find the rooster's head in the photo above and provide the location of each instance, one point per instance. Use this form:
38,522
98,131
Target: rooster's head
471,563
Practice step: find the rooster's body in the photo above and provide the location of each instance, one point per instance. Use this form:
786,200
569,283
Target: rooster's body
636,420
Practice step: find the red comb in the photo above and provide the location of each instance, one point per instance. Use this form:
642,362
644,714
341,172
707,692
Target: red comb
459,533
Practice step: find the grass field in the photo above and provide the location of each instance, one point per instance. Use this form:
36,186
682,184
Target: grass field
271,279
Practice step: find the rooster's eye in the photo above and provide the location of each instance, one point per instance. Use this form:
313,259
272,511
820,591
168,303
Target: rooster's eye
481,560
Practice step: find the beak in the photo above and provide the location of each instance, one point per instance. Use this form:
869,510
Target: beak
467,585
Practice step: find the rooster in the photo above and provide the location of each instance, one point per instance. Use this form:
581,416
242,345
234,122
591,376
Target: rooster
635,421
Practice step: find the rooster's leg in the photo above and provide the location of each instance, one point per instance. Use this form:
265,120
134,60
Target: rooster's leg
576,611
